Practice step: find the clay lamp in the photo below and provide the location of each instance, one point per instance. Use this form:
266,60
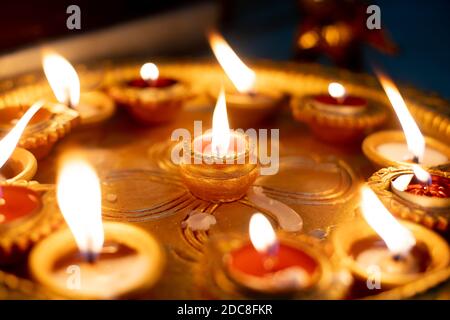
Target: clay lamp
93,107
338,117
92,259
383,252
248,105
396,148
151,98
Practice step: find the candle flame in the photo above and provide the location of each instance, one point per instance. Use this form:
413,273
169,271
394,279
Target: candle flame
10,141
414,138
79,198
336,90
243,77
149,71
62,77
398,239
262,235
221,135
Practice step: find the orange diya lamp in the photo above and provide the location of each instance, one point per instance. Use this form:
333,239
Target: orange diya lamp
394,148
92,259
248,105
383,252
220,165
93,106
151,98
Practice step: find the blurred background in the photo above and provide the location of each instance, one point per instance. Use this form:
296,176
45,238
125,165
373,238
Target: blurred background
412,45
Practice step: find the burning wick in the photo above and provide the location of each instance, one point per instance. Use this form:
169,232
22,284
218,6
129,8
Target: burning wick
266,245
337,91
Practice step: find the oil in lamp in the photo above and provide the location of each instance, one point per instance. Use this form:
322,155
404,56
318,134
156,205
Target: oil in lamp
18,163
272,266
391,251
113,260
220,165
338,116
28,212
248,104
152,98
46,123
93,106
388,148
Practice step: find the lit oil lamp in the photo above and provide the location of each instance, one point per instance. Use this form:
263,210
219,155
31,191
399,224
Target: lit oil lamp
388,148
248,106
36,128
93,106
338,116
113,260
28,212
17,163
386,250
152,98
273,266
222,165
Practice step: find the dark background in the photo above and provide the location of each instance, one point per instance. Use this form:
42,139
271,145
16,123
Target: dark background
256,29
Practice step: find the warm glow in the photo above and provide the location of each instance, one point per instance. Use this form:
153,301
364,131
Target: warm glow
308,40
79,198
149,71
336,90
63,78
242,76
398,239
262,235
414,138
10,141
220,128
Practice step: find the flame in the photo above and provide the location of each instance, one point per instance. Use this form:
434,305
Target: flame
10,141
398,239
79,198
414,138
220,128
336,90
242,76
262,235
149,71
63,78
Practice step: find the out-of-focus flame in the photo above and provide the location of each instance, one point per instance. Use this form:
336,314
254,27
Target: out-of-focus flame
336,90
414,138
10,141
79,198
262,235
149,71
242,76
398,239
221,135
62,77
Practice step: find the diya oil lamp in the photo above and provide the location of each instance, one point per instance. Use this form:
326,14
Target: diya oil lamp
338,117
220,165
248,106
152,98
17,163
37,128
393,148
273,266
113,260
389,251
28,212
93,106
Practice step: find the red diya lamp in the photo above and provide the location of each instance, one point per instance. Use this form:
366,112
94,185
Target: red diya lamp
337,101
17,204
268,265
422,188
93,106
247,106
151,98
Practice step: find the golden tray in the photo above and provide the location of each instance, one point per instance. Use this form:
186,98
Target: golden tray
319,181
